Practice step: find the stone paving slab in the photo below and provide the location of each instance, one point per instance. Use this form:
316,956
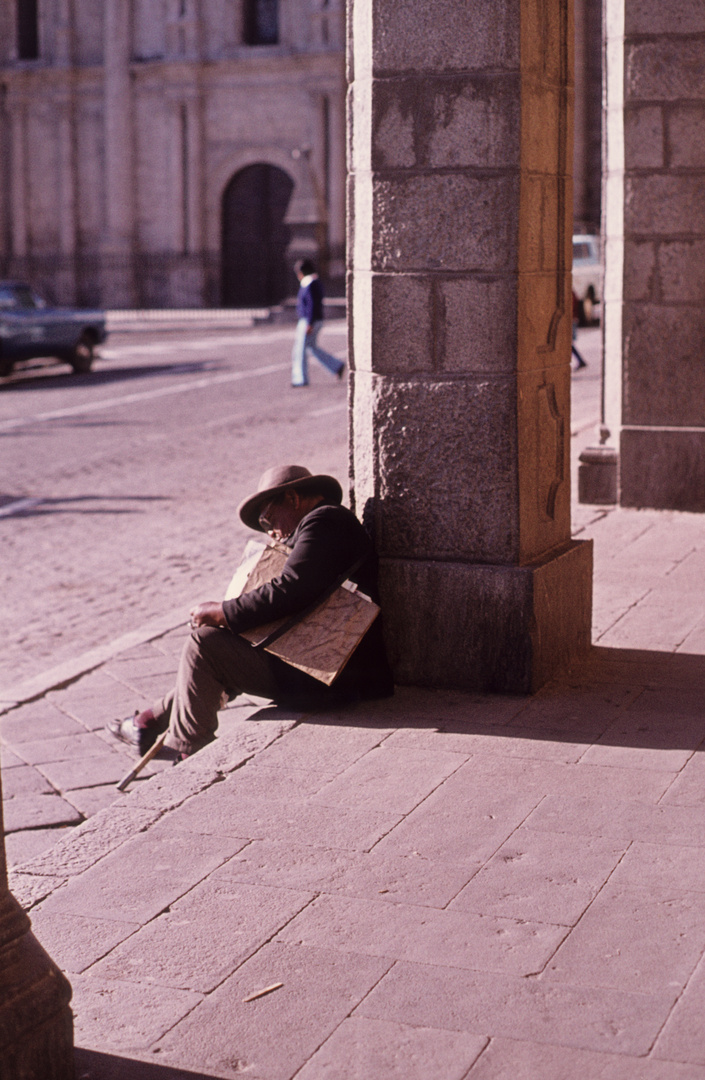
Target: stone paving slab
180,948
683,1035
589,816
688,788
8,760
629,936
37,811
547,876
76,942
140,879
27,844
452,939
390,778
217,813
143,1017
24,781
66,776
97,698
509,1059
369,875
546,745
489,1004
78,747
38,721
361,1049
613,780
326,748
274,1035
489,817
91,841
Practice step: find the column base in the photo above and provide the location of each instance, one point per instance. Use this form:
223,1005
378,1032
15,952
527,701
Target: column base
36,1023
662,468
505,629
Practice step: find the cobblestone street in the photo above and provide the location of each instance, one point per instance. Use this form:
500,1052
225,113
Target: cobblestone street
119,488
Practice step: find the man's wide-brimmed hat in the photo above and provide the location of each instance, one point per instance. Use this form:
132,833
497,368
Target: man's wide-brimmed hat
284,478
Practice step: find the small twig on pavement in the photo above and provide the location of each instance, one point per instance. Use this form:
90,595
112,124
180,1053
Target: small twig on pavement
261,993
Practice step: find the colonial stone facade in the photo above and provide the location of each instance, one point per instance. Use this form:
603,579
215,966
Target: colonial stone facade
171,152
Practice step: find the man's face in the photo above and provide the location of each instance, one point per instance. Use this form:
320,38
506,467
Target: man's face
281,515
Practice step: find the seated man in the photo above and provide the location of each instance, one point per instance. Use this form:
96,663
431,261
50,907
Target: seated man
327,541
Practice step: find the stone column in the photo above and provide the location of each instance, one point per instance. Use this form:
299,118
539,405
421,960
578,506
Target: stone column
460,206
306,214
18,200
118,284
65,275
655,377
336,190
36,1025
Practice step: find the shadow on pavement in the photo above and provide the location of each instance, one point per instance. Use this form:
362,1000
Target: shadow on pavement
51,379
92,1065
43,507
627,698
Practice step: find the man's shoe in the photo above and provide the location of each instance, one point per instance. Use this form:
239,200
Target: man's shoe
339,373
138,738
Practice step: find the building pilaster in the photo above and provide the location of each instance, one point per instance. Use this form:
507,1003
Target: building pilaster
118,244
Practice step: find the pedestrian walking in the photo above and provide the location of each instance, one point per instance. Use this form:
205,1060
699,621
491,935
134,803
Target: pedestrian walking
309,312
574,351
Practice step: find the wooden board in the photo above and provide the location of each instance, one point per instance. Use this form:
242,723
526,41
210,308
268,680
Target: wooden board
323,641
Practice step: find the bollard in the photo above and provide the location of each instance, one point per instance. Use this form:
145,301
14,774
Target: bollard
597,475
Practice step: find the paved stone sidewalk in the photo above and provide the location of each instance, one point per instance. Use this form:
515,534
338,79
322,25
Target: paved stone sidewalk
446,885
59,765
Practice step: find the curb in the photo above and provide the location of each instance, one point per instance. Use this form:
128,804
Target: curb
63,674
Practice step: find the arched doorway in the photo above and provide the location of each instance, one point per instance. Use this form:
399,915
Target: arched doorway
255,238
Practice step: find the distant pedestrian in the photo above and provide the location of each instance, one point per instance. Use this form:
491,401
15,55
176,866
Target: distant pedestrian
576,315
309,311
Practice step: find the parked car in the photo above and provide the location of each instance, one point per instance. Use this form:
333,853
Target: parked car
29,328
587,276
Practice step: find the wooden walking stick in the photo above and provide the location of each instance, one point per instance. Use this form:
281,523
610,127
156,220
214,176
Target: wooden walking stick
153,750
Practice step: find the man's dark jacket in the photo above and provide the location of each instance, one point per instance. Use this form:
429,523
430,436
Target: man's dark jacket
327,542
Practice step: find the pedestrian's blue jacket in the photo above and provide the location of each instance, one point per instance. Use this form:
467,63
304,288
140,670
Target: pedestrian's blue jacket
309,302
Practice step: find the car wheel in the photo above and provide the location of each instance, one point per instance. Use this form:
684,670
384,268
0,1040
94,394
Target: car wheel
81,359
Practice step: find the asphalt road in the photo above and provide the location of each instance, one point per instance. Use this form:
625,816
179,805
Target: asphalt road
118,489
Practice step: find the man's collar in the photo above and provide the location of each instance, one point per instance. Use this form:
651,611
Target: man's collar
306,281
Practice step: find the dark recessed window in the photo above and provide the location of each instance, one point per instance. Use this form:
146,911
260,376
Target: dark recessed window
27,30
261,22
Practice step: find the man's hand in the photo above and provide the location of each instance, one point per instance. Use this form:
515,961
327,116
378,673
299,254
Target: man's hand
309,330
210,614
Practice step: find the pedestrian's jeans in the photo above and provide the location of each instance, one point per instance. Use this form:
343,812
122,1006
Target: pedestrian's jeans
305,343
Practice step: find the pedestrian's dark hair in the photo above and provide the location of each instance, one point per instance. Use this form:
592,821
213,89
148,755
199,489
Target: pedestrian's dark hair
305,267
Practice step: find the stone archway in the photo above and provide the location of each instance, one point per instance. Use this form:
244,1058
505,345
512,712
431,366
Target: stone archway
254,237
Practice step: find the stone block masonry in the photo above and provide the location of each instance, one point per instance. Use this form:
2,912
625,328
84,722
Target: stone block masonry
459,198
660,421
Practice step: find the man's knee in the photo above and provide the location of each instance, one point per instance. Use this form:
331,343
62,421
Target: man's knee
218,646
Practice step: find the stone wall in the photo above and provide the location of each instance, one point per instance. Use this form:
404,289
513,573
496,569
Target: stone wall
663,334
